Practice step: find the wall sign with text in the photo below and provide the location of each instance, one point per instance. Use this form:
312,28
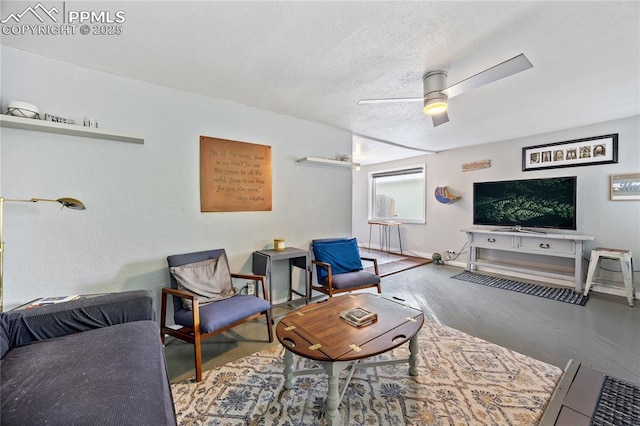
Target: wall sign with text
234,176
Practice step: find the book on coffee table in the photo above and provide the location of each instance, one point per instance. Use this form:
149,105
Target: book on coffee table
358,317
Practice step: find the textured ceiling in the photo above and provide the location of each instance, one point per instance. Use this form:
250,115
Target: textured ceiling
315,60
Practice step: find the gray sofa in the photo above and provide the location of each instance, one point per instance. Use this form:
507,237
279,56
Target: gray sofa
91,361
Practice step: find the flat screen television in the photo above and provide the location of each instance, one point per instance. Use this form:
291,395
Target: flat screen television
527,203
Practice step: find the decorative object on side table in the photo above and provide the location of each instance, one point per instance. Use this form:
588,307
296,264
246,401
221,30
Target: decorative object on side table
625,187
278,244
67,202
578,152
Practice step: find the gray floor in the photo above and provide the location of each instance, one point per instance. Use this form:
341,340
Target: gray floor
604,334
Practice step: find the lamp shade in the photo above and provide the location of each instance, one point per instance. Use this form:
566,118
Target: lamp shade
71,203
435,105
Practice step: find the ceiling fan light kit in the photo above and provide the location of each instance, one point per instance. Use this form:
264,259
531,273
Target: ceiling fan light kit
435,102
435,106
436,93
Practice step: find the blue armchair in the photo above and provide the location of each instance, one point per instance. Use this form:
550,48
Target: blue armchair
339,267
204,301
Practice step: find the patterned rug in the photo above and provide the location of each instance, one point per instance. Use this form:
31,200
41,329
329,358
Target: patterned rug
566,295
462,380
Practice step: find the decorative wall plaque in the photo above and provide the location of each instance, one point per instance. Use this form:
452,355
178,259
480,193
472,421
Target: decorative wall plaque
234,176
476,165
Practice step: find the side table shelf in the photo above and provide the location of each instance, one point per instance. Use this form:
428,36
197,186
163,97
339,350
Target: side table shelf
551,245
33,124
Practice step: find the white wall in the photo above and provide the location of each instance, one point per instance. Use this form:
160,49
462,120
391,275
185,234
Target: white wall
143,201
613,223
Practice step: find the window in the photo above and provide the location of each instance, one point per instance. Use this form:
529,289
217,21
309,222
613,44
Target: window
398,195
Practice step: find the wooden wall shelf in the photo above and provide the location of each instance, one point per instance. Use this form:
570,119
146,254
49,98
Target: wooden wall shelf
12,122
327,162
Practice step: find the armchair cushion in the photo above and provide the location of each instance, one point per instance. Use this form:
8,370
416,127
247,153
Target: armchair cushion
209,279
221,313
342,254
351,280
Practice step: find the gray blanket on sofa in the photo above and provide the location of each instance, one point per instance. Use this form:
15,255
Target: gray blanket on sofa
87,362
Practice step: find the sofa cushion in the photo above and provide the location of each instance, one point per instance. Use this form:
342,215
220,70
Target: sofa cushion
4,336
342,254
209,279
26,326
108,376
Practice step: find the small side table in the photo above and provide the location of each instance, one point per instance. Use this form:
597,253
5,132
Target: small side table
263,265
385,233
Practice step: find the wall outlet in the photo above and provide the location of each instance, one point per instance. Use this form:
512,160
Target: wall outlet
251,288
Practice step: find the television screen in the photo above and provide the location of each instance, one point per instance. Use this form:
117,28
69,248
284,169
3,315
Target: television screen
532,203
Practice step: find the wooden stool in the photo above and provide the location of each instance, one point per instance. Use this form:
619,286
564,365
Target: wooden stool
624,256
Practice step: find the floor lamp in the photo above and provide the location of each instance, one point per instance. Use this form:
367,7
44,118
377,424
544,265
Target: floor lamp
70,203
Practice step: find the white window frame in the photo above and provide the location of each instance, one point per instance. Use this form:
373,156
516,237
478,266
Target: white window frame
408,170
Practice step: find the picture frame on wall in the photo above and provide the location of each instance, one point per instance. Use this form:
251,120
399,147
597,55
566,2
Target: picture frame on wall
578,152
625,187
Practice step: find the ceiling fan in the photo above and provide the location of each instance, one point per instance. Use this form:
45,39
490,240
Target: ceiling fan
436,92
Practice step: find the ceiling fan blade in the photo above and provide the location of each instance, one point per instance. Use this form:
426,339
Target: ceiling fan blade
505,69
385,100
439,119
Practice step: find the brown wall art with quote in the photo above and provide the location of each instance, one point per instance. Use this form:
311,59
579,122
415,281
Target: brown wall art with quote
234,176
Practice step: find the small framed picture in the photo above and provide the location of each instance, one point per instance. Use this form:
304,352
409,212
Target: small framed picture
625,187
578,152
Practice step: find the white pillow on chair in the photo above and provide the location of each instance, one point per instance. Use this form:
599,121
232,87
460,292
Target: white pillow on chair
209,279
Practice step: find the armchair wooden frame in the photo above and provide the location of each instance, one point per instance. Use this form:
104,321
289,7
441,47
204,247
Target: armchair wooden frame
329,289
193,335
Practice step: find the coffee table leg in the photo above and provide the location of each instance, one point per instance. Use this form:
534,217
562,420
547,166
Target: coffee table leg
288,369
333,370
413,358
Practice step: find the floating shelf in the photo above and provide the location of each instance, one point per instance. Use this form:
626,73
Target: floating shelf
65,129
328,162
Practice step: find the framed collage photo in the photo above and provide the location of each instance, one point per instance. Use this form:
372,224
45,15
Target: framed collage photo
578,152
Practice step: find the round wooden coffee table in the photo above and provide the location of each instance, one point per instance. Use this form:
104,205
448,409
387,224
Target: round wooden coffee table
317,332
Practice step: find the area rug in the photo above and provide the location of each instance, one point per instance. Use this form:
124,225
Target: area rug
566,295
619,404
390,263
462,380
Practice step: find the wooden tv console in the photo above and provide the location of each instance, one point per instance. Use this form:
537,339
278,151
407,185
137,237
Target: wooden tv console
527,242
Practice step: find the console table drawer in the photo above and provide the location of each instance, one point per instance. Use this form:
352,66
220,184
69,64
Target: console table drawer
492,240
556,246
